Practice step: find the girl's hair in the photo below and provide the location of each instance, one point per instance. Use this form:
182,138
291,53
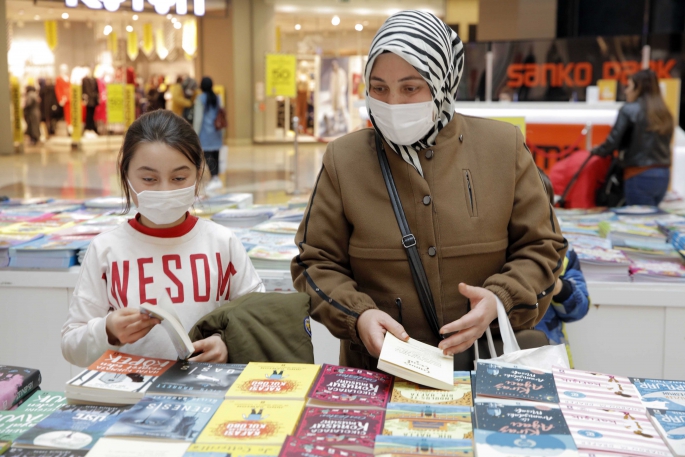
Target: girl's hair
659,119
206,86
160,127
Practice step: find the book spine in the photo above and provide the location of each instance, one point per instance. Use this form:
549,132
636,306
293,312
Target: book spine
28,387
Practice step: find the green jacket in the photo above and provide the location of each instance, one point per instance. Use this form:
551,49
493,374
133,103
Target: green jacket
261,327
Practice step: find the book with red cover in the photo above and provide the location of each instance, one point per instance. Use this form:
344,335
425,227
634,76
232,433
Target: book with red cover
296,447
344,428
339,386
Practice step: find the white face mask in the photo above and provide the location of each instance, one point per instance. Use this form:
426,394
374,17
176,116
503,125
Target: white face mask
165,206
403,124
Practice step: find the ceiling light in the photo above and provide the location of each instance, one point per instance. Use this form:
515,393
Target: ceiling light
137,5
65,15
298,26
335,20
359,27
174,20
199,7
135,17
107,30
129,28
169,16
177,25
182,7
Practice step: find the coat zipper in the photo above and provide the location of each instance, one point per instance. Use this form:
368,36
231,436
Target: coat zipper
468,183
398,302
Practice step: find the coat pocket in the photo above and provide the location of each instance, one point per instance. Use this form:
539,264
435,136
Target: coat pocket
470,193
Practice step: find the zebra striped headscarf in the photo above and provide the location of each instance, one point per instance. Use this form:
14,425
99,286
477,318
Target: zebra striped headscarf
437,53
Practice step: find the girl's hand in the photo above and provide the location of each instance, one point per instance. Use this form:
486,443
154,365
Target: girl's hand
213,350
471,326
128,325
371,327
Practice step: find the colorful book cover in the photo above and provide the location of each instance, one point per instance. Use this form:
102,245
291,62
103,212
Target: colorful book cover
621,432
351,386
248,421
71,427
296,447
197,379
671,426
274,380
587,389
340,427
428,421
404,391
19,452
165,417
601,255
661,393
233,450
15,384
531,430
41,404
672,269
501,380
403,445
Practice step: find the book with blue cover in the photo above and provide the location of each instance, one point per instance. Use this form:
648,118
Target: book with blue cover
408,445
167,418
661,393
71,427
525,429
503,380
671,426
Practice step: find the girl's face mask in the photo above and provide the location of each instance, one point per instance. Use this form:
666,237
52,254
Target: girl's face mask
165,206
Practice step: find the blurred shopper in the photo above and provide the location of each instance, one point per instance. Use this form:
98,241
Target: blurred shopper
642,133
32,114
207,107
179,101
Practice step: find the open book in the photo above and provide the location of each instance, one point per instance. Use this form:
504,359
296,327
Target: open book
165,312
417,362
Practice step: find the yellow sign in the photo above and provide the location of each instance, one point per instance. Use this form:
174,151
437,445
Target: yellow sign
519,122
189,39
670,90
17,130
220,92
51,34
115,104
280,75
607,90
112,43
148,39
132,45
129,105
76,113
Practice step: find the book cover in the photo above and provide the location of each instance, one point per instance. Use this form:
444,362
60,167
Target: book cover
661,393
340,427
501,380
71,427
197,379
43,401
233,450
351,386
404,391
166,418
671,426
274,380
296,447
249,421
16,383
531,430
19,452
621,432
587,389
41,404
403,445
118,447
428,421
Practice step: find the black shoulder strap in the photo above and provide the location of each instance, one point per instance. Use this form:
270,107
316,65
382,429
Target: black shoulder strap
409,243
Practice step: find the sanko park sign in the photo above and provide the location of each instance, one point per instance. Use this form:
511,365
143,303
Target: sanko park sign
160,6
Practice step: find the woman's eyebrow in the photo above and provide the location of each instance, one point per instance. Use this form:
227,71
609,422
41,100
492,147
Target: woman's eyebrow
146,168
182,167
410,78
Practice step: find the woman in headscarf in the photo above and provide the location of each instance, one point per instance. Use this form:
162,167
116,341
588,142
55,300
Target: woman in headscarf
474,202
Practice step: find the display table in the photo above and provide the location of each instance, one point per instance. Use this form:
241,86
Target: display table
635,329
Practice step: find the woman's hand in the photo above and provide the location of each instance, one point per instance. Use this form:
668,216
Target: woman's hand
371,327
471,326
128,325
213,350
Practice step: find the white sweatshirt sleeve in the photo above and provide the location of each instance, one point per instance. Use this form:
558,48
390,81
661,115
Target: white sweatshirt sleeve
246,278
84,338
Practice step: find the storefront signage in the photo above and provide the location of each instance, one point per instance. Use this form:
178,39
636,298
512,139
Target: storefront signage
115,104
148,40
160,6
280,75
607,89
51,34
76,113
129,105
132,45
17,130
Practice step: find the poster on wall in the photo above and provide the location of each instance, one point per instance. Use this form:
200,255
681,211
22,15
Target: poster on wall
334,113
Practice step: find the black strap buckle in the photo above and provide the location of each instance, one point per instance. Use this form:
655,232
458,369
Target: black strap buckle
408,241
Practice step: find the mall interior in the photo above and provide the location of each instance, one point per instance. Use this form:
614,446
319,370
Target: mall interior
585,82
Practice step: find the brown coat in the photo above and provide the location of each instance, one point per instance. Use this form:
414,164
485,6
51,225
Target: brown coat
501,234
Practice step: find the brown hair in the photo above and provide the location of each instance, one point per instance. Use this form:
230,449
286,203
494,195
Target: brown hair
659,118
164,127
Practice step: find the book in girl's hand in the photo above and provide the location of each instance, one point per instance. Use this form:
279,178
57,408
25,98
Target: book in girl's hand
409,446
15,384
504,380
525,429
285,381
661,393
404,391
351,429
115,378
671,427
197,379
233,450
296,447
428,421
586,389
339,386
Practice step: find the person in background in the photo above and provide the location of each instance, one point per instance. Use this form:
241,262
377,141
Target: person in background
642,133
207,106
32,114
179,101
570,299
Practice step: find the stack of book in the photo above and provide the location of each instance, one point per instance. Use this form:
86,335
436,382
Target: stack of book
49,252
657,271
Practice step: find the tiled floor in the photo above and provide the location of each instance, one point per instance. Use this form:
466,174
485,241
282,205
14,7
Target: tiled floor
54,170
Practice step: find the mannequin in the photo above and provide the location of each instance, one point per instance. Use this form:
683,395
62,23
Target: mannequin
91,98
63,92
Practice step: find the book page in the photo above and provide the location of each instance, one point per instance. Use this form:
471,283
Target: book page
418,357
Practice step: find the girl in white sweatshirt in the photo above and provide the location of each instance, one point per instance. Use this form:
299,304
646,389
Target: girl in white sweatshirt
164,249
